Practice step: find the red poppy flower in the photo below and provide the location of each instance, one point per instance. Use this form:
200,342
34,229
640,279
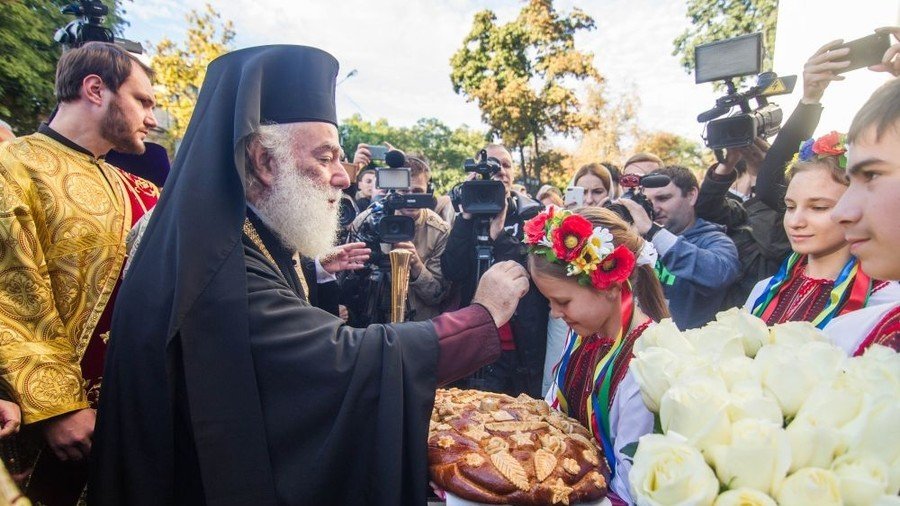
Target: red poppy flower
615,268
829,145
534,228
570,236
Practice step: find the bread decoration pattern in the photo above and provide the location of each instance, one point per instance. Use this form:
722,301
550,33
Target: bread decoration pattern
491,448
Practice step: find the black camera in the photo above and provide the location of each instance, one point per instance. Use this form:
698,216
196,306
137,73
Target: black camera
89,27
727,60
382,225
483,197
635,185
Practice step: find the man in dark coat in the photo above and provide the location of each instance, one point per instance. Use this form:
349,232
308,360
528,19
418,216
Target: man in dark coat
223,386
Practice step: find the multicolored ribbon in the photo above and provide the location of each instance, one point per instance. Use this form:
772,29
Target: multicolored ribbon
598,406
850,291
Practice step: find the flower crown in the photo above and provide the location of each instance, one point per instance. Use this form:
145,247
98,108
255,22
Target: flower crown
565,238
830,144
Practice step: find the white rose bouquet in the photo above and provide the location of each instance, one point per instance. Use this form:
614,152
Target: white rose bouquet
748,414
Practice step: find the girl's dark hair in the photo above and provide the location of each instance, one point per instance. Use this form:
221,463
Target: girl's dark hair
647,290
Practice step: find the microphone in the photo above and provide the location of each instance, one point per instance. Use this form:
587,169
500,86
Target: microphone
396,159
655,181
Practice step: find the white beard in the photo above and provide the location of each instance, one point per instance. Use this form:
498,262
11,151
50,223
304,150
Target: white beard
298,211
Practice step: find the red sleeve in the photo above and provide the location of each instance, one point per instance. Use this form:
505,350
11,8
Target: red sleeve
468,340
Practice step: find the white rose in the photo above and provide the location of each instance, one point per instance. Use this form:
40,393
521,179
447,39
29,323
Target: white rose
789,373
887,500
744,497
796,333
810,486
738,369
747,400
716,341
753,331
894,477
832,405
664,334
863,479
668,470
656,369
877,371
813,445
876,430
696,407
757,457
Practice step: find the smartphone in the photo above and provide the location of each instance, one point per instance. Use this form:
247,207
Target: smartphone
866,51
574,196
378,152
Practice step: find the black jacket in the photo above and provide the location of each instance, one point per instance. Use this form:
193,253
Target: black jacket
756,225
529,324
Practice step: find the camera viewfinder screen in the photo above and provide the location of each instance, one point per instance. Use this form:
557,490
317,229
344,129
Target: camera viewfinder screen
392,179
740,56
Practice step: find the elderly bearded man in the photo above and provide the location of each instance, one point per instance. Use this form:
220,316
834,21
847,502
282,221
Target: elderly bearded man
223,385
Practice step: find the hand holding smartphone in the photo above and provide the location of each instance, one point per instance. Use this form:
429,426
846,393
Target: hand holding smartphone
574,196
378,152
866,51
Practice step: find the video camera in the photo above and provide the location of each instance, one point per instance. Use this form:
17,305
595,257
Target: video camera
89,27
635,192
382,225
483,197
726,60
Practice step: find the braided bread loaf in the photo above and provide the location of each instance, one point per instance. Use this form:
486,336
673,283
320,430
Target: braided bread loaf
491,448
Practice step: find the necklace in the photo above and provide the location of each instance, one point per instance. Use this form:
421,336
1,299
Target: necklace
250,231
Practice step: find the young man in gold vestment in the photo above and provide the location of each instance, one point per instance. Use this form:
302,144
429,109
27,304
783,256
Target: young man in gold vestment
64,215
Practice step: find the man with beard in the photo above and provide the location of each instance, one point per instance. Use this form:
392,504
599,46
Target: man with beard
223,386
64,215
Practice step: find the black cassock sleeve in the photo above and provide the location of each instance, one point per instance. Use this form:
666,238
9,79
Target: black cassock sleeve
346,410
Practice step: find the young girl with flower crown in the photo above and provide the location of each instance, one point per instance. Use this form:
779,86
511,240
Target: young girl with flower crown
598,276
819,280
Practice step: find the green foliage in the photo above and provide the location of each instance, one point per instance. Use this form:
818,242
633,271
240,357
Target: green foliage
521,75
713,20
28,56
674,150
446,149
180,69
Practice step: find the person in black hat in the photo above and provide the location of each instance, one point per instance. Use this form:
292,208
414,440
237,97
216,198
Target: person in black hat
223,386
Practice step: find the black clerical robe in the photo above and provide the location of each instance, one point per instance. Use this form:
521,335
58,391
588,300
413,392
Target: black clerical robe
345,411
222,385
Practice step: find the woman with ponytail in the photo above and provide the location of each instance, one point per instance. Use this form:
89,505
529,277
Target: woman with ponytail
598,276
820,280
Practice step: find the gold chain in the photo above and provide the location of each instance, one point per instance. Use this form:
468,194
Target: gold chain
251,232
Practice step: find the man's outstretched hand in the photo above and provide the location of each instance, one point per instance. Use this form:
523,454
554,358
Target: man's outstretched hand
500,290
346,257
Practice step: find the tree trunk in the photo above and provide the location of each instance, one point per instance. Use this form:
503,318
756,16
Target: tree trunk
522,166
536,158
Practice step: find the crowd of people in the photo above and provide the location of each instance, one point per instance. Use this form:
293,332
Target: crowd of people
219,336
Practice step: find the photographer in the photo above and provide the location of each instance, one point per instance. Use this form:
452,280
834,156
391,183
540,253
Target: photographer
427,287
523,340
754,224
697,261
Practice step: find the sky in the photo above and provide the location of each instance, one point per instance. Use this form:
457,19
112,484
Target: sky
401,50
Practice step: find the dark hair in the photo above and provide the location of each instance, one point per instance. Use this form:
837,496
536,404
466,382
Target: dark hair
682,177
614,171
364,172
110,62
881,110
418,164
647,289
594,169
